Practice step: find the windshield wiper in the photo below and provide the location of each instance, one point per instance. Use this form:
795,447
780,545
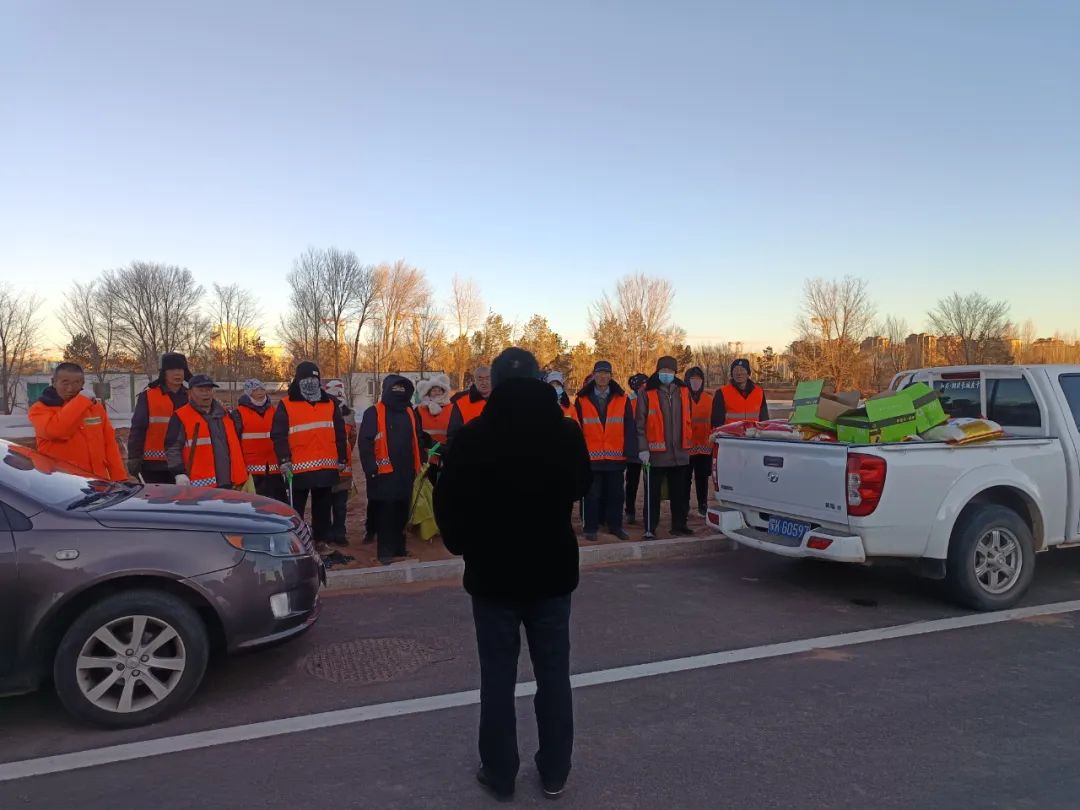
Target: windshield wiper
114,488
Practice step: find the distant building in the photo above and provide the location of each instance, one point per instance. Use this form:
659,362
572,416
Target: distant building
921,350
874,345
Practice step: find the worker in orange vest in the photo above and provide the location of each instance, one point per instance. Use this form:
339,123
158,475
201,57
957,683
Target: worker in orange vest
253,417
606,416
701,405
390,446
154,408
665,436
740,400
556,380
71,425
636,389
308,432
339,506
469,404
202,446
435,407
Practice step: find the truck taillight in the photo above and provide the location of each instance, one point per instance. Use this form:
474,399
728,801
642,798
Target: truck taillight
865,483
715,479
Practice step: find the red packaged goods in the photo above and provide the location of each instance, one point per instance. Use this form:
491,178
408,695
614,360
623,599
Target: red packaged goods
735,429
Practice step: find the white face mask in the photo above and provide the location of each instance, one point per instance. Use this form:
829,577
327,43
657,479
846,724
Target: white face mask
310,389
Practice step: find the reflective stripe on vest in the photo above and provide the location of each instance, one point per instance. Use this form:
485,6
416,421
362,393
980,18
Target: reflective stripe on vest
701,418
605,440
739,408
255,438
654,422
312,437
201,464
382,444
160,408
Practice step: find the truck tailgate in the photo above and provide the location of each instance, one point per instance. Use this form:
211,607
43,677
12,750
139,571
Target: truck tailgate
799,479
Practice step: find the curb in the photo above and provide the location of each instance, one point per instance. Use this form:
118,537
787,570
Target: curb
443,570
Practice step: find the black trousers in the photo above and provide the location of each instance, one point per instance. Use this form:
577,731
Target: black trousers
321,500
390,519
700,470
633,479
158,477
271,486
604,503
498,641
338,506
678,482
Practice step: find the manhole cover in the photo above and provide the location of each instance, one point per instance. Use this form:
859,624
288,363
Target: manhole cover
369,660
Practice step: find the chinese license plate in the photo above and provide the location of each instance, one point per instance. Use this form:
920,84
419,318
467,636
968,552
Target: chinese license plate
782,527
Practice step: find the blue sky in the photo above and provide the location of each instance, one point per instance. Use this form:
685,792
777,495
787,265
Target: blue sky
545,149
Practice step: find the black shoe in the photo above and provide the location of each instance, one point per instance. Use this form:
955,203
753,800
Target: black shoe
631,519
590,536
620,534
703,511
386,560
552,790
368,540
683,531
501,795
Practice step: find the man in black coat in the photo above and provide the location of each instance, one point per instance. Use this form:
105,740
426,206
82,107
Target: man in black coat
504,501
390,479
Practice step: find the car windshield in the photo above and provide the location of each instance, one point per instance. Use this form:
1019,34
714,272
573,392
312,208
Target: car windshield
43,480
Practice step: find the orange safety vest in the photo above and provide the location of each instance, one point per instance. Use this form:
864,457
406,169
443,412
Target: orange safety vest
350,443
606,441
435,426
382,442
312,439
469,409
739,408
160,407
258,448
702,424
569,411
200,465
654,423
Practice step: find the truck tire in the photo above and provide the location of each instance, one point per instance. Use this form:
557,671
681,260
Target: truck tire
131,659
991,558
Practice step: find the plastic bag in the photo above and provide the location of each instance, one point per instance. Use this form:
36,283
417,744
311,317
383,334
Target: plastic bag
735,429
776,430
964,431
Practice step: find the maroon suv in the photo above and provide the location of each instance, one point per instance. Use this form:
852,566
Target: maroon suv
118,592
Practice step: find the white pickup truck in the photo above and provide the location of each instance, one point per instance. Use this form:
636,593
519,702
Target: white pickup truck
972,515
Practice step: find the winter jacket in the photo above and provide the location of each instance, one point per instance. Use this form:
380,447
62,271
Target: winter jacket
401,419
671,406
279,432
630,441
176,450
457,421
506,493
140,421
77,432
719,409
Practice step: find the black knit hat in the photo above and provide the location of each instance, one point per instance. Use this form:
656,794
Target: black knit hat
695,372
637,381
742,361
174,361
667,362
306,369
514,363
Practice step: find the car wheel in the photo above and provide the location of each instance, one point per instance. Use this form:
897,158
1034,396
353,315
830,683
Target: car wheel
991,559
131,659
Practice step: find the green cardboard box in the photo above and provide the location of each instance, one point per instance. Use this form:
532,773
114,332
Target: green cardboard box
816,407
885,418
929,412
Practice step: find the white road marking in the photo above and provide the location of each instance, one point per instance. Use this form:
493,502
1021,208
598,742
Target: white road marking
361,714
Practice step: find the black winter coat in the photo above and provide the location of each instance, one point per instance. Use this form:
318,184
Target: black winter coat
401,419
506,493
140,421
279,433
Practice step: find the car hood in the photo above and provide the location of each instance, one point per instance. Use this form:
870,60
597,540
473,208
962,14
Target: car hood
162,506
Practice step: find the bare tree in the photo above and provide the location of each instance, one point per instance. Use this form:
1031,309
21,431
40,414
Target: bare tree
89,315
895,330
978,325
157,310
302,328
363,310
236,332
639,316
19,327
402,292
836,316
427,336
466,312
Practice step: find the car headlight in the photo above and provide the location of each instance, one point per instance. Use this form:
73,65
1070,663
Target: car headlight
279,544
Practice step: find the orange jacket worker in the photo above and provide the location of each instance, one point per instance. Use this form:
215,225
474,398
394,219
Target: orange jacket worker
71,425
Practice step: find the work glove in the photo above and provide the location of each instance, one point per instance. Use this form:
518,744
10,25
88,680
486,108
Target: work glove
182,480
644,455
134,466
286,468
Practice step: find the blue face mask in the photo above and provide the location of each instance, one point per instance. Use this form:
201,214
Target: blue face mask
558,391
666,377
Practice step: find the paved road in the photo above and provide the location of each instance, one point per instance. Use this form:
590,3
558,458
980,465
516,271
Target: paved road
974,717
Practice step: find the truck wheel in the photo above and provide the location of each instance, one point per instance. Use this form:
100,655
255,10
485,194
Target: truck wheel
131,659
991,559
